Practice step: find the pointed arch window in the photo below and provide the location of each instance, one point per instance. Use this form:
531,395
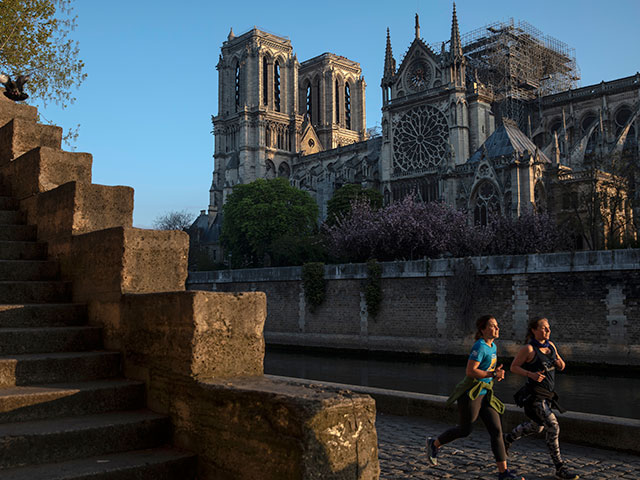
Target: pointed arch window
486,203
347,106
318,101
265,81
309,102
337,102
276,85
237,85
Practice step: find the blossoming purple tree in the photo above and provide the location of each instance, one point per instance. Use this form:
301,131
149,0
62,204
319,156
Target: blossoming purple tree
409,229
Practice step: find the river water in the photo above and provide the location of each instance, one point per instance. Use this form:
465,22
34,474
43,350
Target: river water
603,394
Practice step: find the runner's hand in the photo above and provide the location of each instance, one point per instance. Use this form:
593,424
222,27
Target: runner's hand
537,376
499,373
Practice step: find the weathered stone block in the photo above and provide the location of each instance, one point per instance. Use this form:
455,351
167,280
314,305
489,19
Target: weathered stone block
270,429
43,169
10,110
105,264
19,136
108,263
196,334
76,208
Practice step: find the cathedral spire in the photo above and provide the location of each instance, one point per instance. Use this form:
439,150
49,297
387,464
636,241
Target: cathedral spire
389,61
456,44
417,27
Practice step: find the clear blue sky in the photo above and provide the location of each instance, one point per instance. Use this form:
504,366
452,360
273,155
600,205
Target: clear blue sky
145,108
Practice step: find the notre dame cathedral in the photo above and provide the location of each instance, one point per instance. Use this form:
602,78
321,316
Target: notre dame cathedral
487,121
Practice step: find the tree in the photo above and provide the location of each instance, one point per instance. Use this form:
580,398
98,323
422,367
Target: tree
262,214
340,203
174,220
34,40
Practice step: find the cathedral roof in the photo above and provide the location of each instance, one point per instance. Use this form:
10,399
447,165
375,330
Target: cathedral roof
506,141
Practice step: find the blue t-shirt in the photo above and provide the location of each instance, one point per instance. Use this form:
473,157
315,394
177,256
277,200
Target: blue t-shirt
487,356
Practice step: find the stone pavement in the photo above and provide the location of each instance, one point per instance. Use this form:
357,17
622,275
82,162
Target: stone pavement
402,455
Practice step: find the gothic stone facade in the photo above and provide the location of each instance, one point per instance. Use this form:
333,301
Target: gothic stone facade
440,137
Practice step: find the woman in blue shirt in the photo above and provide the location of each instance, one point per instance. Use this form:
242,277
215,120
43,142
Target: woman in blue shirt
476,399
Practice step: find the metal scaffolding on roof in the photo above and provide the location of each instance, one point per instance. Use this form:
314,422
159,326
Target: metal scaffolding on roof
519,63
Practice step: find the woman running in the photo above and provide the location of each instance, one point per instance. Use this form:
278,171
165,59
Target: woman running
538,360
475,398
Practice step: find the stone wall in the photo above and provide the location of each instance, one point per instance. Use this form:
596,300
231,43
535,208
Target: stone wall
591,298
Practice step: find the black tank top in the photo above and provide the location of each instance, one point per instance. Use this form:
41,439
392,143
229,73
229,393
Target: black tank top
543,362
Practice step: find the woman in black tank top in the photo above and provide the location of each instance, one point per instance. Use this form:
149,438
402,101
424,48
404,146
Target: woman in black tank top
538,360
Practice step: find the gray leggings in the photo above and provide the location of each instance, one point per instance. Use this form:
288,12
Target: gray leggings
541,409
469,410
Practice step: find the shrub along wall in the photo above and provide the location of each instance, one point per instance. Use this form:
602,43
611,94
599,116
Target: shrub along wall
592,300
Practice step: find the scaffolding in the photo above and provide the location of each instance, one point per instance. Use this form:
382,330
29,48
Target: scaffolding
518,62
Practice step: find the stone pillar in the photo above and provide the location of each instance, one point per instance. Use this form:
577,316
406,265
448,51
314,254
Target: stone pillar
520,306
616,318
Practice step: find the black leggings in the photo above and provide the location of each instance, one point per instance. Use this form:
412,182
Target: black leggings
469,410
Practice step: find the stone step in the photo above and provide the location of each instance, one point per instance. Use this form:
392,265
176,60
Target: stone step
18,136
37,402
43,315
41,368
68,438
23,250
18,232
28,270
10,110
12,217
8,203
153,464
18,341
49,291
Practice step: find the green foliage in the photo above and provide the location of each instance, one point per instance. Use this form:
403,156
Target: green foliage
296,250
340,204
34,40
373,287
314,284
259,215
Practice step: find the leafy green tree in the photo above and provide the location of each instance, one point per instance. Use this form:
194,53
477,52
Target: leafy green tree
260,215
340,204
34,40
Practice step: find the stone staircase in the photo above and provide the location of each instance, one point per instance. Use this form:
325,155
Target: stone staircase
65,410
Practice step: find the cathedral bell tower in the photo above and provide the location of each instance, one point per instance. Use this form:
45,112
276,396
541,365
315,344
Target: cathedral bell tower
255,129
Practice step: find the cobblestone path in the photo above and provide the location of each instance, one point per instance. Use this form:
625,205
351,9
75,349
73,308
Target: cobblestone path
402,455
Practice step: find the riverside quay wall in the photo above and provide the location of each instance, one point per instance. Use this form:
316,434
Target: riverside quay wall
592,300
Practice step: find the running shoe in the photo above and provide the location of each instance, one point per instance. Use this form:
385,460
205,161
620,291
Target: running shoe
432,450
564,473
509,475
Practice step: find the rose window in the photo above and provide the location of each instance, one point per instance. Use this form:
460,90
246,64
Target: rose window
419,140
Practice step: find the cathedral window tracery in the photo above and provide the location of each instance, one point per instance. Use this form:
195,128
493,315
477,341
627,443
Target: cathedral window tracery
347,106
337,102
420,140
276,85
265,81
237,85
486,203
309,102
